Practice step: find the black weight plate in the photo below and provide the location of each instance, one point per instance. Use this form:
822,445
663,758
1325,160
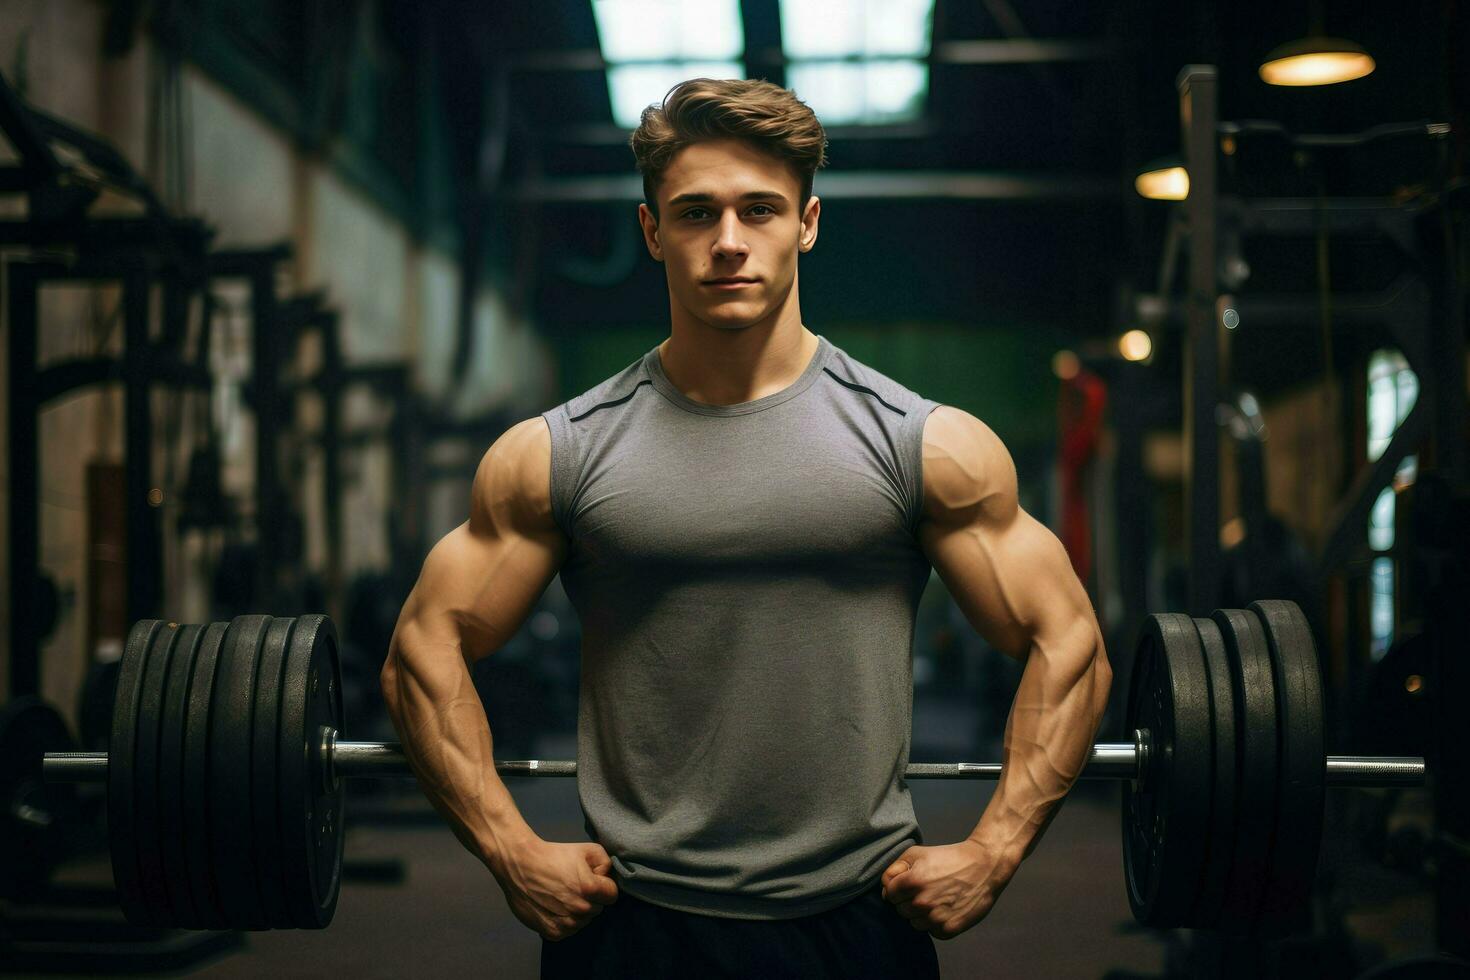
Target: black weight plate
231,739
122,832
34,814
1303,765
264,762
311,796
1256,735
1166,813
1220,841
145,774
171,796
197,814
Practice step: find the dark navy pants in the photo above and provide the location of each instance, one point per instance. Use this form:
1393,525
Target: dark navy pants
864,937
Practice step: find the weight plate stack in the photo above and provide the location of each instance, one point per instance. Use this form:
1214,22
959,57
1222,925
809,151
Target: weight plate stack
172,800
34,814
311,795
264,782
232,845
147,791
122,828
1220,839
1254,687
1302,780
1166,812
196,802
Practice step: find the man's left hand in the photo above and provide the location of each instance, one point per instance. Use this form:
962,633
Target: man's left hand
945,890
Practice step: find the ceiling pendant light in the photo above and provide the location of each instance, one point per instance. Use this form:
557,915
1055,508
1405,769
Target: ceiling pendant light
1163,180
1316,60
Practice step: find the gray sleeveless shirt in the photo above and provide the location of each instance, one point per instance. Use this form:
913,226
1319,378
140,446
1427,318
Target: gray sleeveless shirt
747,578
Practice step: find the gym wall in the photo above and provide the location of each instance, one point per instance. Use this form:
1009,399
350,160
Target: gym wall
245,176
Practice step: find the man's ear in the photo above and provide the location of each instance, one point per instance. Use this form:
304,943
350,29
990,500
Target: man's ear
807,239
649,224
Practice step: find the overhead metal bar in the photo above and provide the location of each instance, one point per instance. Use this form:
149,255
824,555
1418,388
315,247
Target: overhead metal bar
1308,216
1404,299
611,134
1016,51
867,185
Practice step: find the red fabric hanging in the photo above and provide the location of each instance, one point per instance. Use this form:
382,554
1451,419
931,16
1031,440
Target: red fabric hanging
1080,404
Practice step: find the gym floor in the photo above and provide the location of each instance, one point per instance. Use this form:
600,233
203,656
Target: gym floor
1065,915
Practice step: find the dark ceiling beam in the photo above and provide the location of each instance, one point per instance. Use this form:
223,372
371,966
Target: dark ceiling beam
1010,22
760,23
611,134
1023,51
863,185
1014,51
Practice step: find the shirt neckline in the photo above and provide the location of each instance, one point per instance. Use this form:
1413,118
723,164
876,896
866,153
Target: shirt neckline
653,365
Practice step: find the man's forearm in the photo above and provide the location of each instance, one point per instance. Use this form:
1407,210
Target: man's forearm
439,717
1048,740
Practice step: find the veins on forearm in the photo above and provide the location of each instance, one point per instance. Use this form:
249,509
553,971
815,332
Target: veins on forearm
452,750
1048,740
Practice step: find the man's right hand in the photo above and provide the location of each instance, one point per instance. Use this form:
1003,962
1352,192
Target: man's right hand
556,889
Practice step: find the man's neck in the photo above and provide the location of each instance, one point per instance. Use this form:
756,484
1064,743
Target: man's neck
727,367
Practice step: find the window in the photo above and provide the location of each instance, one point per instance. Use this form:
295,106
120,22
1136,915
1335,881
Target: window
652,45
1392,390
858,61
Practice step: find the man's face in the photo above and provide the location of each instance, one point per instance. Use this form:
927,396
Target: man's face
729,211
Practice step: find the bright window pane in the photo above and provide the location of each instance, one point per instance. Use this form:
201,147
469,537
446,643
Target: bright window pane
1380,521
861,93
633,87
895,89
821,28
1382,418
834,91
1381,611
1407,383
1392,389
841,28
899,26
1385,362
638,30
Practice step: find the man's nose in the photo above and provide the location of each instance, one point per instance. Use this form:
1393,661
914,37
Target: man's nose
731,240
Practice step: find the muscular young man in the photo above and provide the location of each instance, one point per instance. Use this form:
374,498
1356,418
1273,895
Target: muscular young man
745,519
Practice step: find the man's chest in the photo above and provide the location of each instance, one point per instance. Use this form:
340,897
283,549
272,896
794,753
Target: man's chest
790,500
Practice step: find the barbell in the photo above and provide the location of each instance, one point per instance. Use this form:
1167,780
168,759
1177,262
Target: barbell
225,772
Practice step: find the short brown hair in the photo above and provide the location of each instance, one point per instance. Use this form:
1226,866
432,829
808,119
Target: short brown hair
700,109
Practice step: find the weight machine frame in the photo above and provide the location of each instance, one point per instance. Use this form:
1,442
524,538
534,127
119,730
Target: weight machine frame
1425,313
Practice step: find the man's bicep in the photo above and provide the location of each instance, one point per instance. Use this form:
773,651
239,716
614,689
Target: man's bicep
1012,581
482,579
1008,573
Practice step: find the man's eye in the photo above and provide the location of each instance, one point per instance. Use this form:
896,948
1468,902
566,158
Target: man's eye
696,214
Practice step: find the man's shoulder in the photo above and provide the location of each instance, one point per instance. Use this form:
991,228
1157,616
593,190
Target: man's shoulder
967,469
608,393
512,482
858,377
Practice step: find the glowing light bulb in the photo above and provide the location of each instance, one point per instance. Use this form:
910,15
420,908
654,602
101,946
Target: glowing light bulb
1316,61
1135,345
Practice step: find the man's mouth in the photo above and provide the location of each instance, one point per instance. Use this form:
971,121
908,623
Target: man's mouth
730,282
